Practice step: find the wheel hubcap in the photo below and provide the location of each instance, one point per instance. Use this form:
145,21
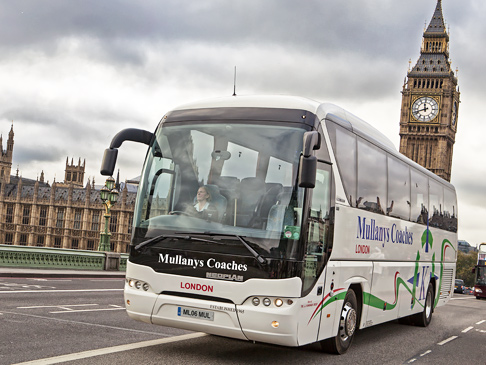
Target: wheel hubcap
428,306
348,321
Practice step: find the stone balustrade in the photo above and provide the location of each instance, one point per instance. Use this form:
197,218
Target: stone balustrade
60,258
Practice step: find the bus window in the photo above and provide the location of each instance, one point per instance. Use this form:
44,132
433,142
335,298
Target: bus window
420,201
398,189
436,204
345,150
371,178
318,226
279,171
450,210
242,162
202,142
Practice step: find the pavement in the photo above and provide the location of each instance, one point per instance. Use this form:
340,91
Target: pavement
19,272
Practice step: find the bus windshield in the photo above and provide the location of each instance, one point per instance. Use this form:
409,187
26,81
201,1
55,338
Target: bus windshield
222,187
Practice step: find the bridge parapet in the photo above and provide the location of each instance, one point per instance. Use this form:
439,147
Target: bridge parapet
60,258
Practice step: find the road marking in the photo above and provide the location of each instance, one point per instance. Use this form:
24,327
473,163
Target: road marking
58,291
56,306
426,353
111,350
51,279
87,310
447,340
481,322
86,323
467,329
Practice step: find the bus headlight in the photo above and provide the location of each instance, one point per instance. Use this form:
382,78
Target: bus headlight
137,284
271,301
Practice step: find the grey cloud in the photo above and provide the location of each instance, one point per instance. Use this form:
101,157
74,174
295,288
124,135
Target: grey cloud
23,153
327,25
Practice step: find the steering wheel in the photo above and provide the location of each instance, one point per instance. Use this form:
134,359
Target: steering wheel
178,212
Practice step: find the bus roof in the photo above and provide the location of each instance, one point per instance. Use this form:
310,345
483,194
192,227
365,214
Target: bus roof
255,101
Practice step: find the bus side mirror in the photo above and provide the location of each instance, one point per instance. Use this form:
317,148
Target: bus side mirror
109,161
129,134
308,163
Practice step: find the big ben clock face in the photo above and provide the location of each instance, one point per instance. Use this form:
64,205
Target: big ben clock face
425,109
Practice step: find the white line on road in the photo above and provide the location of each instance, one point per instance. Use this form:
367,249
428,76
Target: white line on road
51,279
56,306
426,353
481,322
87,310
467,329
447,340
111,350
58,291
86,323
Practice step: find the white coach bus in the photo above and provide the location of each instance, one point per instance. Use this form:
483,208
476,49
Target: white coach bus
285,221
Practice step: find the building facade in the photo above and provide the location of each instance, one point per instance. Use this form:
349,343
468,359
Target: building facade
430,102
61,215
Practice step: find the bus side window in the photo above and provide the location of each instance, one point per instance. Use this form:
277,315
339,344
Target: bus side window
345,150
420,198
398,189
436,204
371,178
450,210
318,226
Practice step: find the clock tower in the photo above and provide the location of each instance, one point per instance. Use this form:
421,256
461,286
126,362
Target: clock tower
430,102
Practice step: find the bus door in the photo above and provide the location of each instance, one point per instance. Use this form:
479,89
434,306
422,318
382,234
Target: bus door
317,246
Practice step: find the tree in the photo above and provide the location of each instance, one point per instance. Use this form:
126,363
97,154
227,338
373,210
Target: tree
465,265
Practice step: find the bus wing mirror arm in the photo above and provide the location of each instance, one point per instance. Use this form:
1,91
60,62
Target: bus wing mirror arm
308,162
129,134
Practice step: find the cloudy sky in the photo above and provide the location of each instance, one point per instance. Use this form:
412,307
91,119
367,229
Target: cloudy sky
73,73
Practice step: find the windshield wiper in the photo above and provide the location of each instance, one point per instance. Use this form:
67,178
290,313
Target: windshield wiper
164,236
245,243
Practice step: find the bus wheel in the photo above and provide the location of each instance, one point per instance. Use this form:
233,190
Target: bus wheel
347,326
423,318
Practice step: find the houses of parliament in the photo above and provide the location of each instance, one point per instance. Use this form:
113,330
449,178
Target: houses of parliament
69,214
61,215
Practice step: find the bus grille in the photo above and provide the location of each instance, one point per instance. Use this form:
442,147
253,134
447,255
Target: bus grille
447,280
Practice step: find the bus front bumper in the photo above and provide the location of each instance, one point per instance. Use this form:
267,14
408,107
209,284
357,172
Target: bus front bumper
245,322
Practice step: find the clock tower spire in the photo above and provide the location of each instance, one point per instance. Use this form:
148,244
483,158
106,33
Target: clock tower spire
430,102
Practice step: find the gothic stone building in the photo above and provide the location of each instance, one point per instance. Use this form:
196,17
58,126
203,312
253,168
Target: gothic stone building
430,102
63,215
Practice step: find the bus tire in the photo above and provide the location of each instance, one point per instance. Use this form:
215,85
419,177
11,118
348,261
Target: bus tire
423,318
348,324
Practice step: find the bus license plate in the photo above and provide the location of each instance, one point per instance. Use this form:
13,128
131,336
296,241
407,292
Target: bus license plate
195,313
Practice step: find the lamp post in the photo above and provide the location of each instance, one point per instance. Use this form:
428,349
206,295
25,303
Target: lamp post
109,196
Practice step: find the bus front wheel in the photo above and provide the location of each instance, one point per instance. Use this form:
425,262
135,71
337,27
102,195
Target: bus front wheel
348,324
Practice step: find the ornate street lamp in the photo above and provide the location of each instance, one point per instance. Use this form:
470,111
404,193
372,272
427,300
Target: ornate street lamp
109,196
